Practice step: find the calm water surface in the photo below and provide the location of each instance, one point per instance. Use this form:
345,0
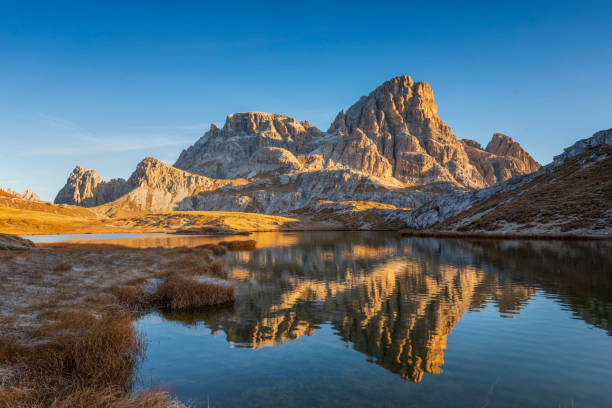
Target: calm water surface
372,319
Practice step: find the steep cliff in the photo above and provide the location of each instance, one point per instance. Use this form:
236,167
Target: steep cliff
393,134
390,147
220,152
86,188
571,194
502,159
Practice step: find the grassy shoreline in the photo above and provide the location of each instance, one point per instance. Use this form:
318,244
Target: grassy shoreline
66,319
498,235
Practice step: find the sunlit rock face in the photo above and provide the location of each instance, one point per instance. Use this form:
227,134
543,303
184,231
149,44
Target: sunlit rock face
401,119
544,201
153,186
502,159
26,195
389,147
221,152
86,188
393,134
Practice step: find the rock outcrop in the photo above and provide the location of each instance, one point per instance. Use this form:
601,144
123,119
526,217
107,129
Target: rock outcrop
401,119
153,186
86,188
394,134
220,152
26,195
502,159
603,137
15,243
573,194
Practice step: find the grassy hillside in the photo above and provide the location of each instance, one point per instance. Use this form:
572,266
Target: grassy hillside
23,217
574,197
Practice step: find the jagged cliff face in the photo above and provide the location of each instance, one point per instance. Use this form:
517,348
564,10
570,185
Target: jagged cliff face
501,160
28,194
86,188
393,134
571,194
401,118
390,147
153,186
223,153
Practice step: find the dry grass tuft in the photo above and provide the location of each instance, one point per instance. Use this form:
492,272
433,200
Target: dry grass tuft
69,338
89,368
132,297
62,267
217,250
178,292
248,245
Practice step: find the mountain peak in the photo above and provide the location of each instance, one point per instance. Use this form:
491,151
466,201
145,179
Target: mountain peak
503,145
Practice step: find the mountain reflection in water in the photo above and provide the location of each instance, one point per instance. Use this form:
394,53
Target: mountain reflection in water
397,299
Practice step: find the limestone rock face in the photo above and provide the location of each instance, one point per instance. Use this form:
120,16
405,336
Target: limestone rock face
502,145
502,159
401,118
356,151
390,148
26,195
551,199
153,186
86,188
393,134
284,193
603,137
220,152
271,160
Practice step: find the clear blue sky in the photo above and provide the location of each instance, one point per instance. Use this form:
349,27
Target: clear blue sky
104,85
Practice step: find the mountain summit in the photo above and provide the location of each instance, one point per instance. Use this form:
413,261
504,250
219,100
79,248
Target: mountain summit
390,147
394,134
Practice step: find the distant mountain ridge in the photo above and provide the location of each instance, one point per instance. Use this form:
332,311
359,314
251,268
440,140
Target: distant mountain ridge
389,147
26,195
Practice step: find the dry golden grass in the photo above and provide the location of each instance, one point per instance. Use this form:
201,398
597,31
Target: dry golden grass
132,297
368,205
66,319
22,222
572,197
8,201
240,245
216,250
178,292
73,220
91,367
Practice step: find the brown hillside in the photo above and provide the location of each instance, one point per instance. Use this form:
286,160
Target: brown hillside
575,196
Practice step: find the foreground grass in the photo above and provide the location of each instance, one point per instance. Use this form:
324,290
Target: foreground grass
91,369
66,319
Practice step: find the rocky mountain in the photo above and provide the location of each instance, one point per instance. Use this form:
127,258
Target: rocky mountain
229,152
501,160
390,148
26,195
86,188
153,186
571,194
394,134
